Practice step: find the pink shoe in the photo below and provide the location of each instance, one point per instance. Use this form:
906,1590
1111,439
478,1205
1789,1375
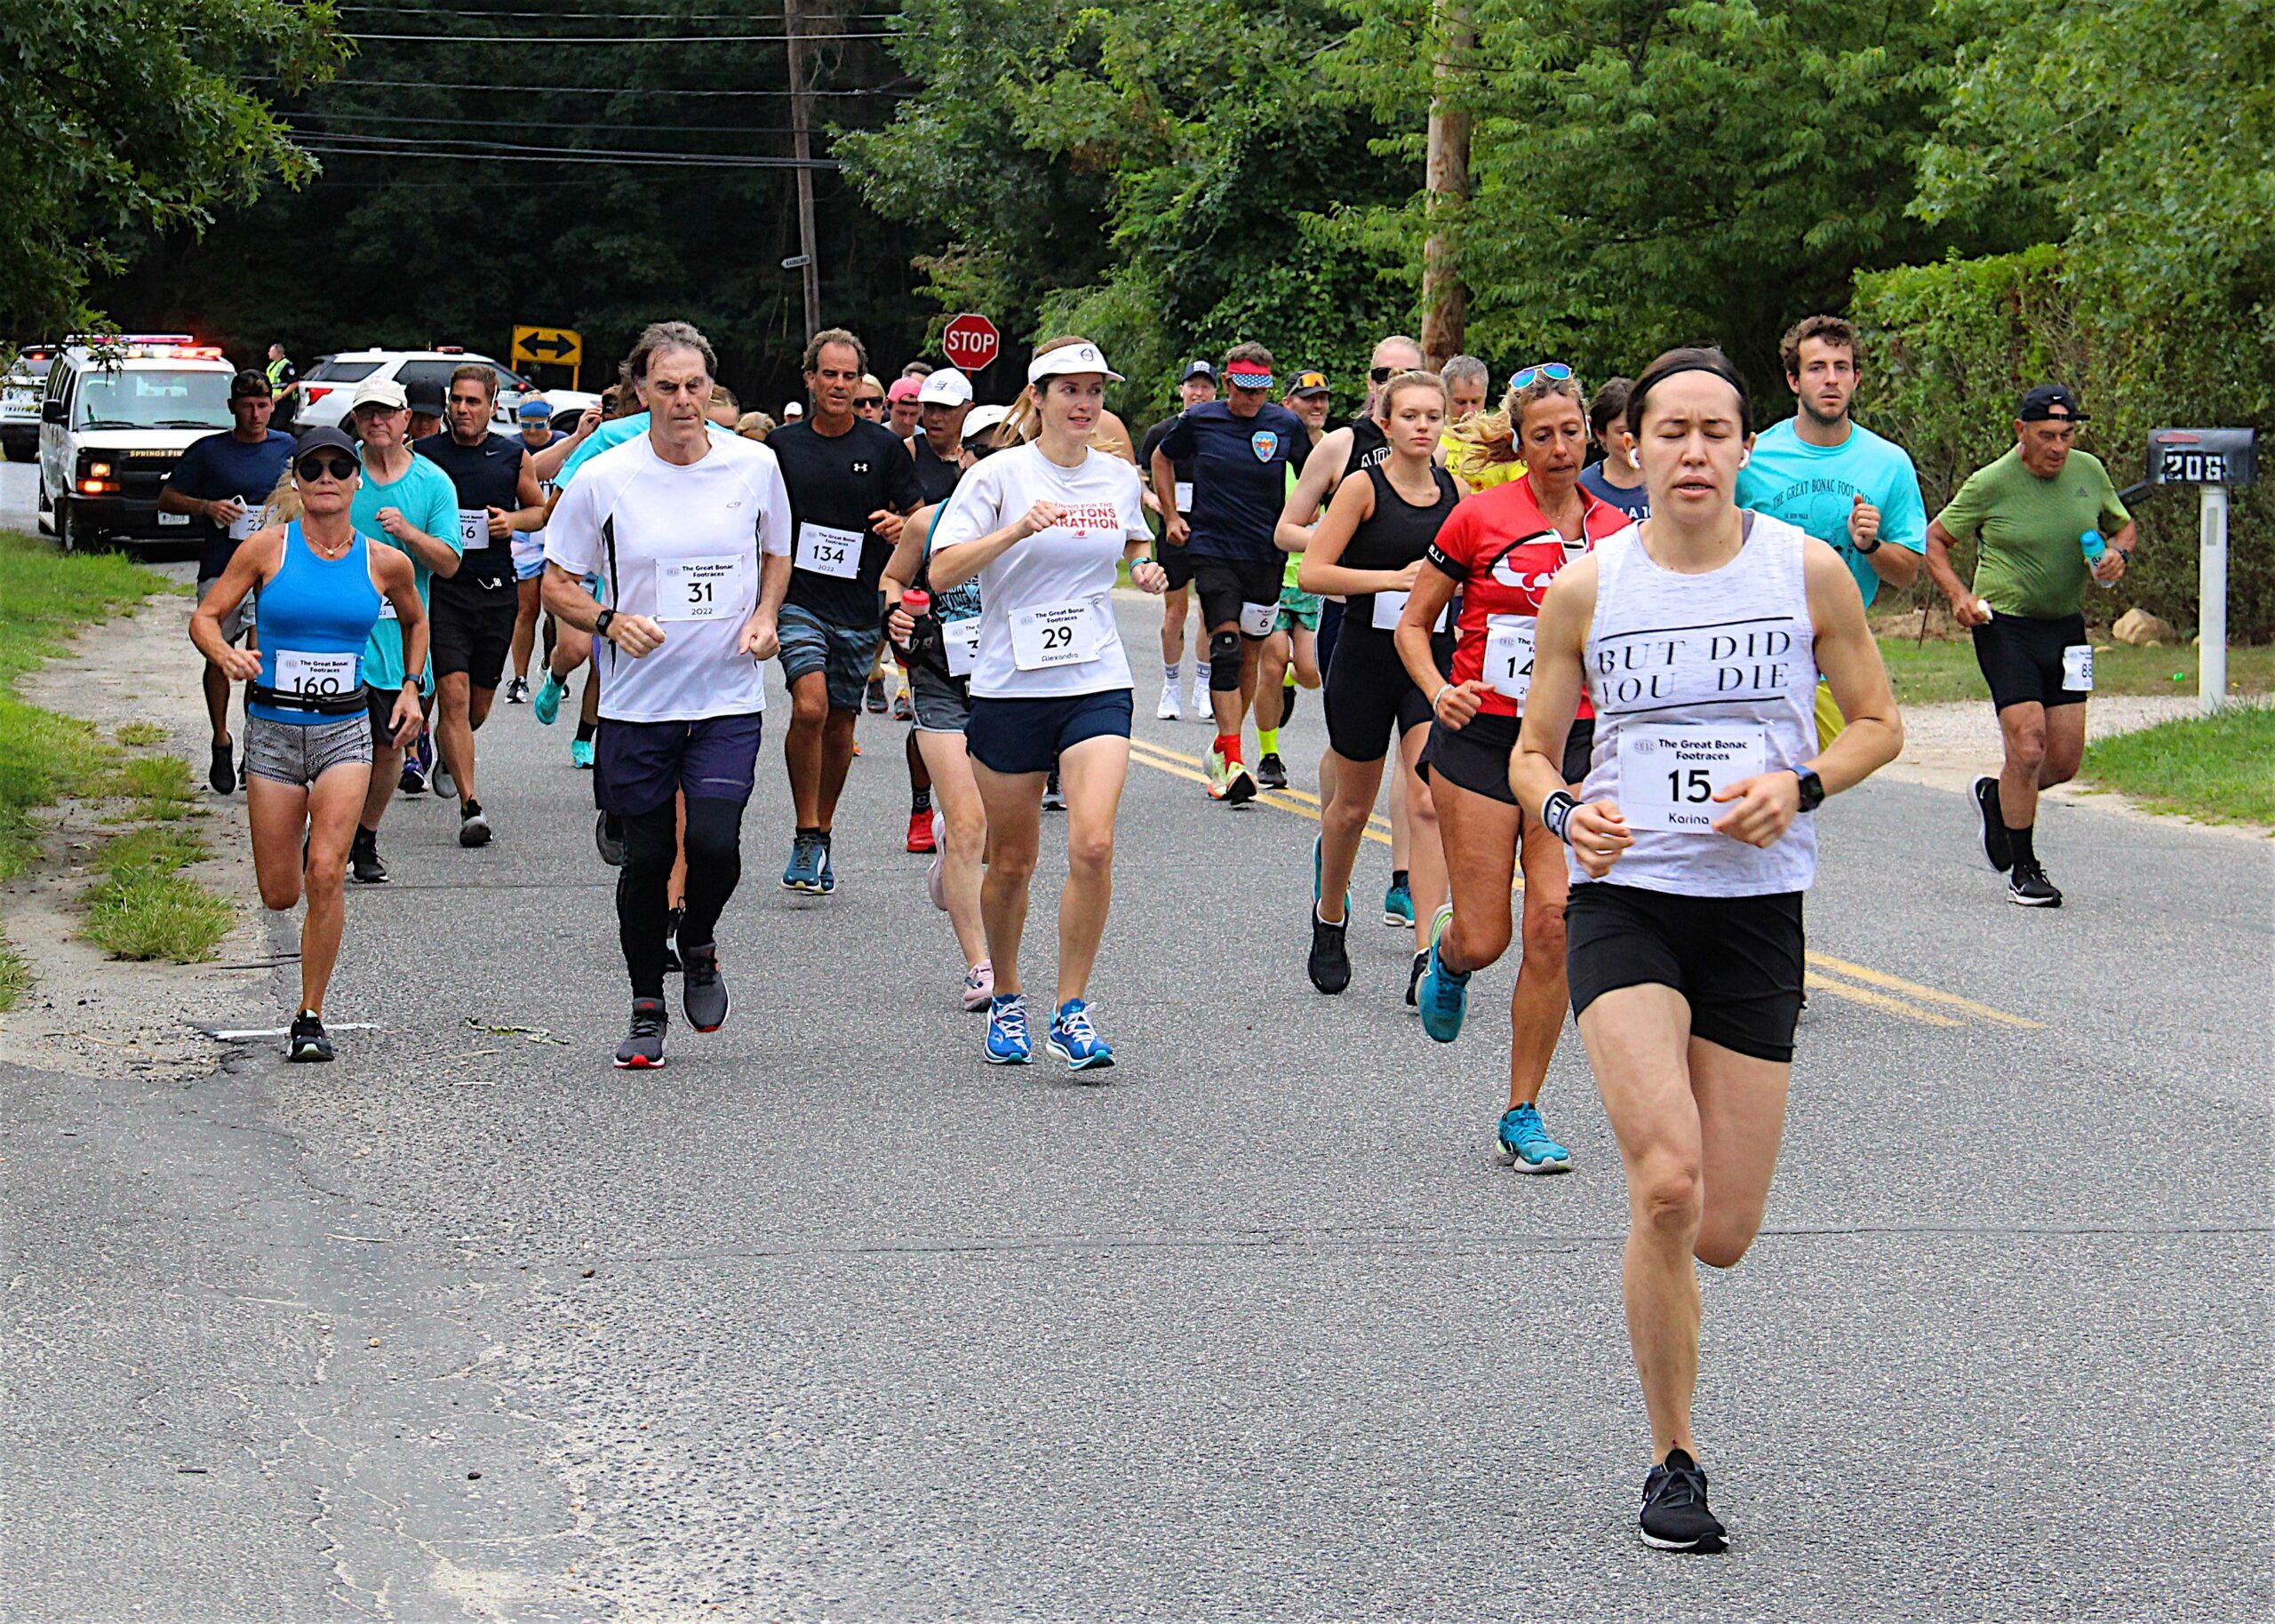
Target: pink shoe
979,987
932,880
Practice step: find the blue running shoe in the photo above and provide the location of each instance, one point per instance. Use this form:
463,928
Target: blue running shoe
1524,1141
1008,1043
1398,907
1073,1040
580,754
1315,871
804,870
1444,993
547,706
825,875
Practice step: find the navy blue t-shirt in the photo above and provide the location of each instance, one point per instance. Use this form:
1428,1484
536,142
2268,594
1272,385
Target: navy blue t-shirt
1241,467
222,466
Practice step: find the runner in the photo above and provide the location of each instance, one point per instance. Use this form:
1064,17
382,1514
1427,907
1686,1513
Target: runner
1041,528
474,607
1500,550
754,425
428,407
850,482
1368,550
1291,653
2039,514
538,436
409,503
308,735
1618,478
943,400
1698,636
869,399
1242,450
221,482
725,411
904,407
1198,385
1477,446
1467,380
691,533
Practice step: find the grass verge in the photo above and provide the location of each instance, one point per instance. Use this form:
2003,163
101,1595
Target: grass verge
1936,673
2220,768
143,908
15,978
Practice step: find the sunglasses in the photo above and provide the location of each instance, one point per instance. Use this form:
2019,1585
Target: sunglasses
312,468
870,402
1555,371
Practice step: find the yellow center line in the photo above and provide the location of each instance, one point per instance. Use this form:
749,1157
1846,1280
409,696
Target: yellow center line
1309,799
1879,1002
1141,751
1912,989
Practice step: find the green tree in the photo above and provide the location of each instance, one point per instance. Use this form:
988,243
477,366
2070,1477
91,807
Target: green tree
133,116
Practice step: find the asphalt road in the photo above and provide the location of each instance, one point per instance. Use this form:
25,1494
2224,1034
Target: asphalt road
830,1320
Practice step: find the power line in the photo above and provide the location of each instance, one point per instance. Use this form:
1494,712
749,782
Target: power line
550,125
614,39
569,90
572,16
568,155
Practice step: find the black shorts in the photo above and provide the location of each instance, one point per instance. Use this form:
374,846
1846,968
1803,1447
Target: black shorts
1176,563
1477,757
1028,736
381,704
1225,583
1736,961
1369,696
472,628
2022,659
1330,632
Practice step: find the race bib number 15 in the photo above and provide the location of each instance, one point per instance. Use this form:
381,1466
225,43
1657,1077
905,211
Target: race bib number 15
1669,777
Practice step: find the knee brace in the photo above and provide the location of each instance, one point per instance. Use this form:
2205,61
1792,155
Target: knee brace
1224,662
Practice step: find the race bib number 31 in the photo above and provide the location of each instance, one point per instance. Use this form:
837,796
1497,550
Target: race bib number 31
828,552
1669,777
316,675
698,588
1053,634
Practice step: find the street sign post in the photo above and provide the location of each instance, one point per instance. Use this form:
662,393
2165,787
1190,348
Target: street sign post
971,343
2214,460
550,346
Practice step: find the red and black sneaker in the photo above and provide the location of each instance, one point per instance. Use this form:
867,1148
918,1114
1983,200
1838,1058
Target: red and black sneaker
920,831
643,1048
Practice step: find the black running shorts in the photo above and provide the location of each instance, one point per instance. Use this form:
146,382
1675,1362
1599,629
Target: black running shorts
2022,659
1370,699
1225,583
1476,756
472,628
1736,961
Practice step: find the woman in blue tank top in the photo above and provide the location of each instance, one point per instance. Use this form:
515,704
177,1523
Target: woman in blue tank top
309,720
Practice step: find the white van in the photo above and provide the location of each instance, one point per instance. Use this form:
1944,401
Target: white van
116,417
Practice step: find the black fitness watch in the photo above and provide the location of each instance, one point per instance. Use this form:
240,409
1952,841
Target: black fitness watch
602,622
1812,788
1868,552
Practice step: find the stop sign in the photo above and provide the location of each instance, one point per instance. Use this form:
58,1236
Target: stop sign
972,342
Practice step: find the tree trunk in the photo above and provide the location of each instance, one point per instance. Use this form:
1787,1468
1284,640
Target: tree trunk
1445,301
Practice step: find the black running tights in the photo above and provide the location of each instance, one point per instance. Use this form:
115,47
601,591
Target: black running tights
715,863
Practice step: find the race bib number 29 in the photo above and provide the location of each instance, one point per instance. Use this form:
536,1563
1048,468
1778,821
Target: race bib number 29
1053,634
1669,775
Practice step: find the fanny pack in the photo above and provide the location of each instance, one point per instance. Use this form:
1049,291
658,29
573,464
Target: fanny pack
353,702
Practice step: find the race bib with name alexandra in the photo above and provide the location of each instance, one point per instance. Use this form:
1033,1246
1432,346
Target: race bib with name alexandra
1669,775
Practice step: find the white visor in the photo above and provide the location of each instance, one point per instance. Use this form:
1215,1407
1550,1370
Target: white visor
1084,357
981,418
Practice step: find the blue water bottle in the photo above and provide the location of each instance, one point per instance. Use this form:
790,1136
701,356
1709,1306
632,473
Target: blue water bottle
2095,547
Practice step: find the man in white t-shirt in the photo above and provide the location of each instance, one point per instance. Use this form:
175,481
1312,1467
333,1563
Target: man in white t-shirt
690,538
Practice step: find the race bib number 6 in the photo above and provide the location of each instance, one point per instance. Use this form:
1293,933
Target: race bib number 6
698,588
1053,634
828,552
1257,619
1669,777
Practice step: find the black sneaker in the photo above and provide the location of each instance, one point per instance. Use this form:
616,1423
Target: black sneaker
643,1048
703,992
1674,1507
1994,823
1054,798
413,781
1329,965
223,773
873,697
672,922
2028,887
308,1041
517,691
1414,980
607,836
1271,772
363,864
474,828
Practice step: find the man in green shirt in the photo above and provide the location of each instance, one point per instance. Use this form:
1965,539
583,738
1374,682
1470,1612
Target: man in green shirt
2045,517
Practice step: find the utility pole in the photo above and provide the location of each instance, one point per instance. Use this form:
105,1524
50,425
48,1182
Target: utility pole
1445,301
803,147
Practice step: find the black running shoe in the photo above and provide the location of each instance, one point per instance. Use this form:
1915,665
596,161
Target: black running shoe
672,922
1329,965
222,776
1271,772
308,1041
474,828
1054,798
703,992
607,835
873,696
1414,980
517,691
2028,887
363,863
643,1048
1674,1507
1994,823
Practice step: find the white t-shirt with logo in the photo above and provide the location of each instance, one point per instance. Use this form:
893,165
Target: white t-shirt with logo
681,545
1046,618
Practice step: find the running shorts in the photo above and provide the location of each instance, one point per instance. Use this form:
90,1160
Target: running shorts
1370,699
943,703
2023,660
1175,562
639,766
1028,736
472,629
844,655
1736,961
1227,583
1298,609
238,621
298,754
1476,756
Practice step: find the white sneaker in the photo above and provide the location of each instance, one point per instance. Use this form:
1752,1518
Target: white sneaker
1200,705
1167,711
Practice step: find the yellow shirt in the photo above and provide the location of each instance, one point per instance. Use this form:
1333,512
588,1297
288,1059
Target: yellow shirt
1466,463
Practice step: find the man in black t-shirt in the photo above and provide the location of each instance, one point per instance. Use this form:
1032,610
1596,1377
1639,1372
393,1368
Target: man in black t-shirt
474,610
1197,386
851,483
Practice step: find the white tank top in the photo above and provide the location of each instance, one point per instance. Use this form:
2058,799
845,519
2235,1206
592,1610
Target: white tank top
1700,681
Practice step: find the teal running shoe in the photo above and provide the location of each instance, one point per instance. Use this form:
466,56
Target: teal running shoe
1075,1041
547,706
1443,994
1524,1141
580,754
804,870
1008,1043
1398,906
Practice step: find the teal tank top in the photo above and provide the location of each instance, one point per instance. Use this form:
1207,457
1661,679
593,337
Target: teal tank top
315,615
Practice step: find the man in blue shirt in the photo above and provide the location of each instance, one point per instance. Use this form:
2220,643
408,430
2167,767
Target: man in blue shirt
223,482
1241,450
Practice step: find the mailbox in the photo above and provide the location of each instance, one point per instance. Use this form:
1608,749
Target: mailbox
2201,456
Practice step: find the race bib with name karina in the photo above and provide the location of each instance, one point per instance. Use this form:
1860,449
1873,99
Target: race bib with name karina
699,588
1669,775
1508,654
1049,635
315,676
824,551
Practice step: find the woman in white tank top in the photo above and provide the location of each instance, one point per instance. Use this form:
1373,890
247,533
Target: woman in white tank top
1698,636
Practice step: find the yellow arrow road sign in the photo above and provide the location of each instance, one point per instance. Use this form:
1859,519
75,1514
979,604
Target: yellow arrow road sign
557,347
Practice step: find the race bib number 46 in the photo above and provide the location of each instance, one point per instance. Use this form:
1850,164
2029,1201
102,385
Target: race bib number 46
1053,634
698,588
828,552
315,675
1669,777
1390,607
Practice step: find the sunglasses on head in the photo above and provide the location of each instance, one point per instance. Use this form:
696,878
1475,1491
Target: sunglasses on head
312,468
1555,371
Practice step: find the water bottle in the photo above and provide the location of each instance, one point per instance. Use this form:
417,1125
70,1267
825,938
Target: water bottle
917,601
2095,547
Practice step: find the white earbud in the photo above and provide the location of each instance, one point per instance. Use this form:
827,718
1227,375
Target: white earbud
1744,458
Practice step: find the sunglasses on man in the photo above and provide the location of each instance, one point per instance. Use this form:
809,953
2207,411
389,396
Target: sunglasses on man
312,468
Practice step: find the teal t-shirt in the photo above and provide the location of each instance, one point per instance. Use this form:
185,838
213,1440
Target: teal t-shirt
615,432
430,502
1817,486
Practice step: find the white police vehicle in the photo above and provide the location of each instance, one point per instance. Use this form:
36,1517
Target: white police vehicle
325,392
20,389
116,417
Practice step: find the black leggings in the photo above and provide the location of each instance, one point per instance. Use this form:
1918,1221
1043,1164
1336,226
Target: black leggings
715,863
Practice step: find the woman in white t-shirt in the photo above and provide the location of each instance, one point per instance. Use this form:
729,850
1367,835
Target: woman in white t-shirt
1041,526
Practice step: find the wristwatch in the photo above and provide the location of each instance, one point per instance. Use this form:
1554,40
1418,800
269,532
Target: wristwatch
601,623
1812,788
1868,552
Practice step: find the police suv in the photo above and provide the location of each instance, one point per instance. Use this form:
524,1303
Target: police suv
116,417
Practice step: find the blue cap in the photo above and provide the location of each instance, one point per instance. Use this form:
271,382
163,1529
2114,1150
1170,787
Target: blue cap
534,408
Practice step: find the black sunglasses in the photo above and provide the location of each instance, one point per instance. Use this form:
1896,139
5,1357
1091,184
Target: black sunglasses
871,401
1380,375
312,468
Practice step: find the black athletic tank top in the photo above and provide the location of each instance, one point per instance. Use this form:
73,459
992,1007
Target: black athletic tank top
1396,534
936,476
487,475
1369,446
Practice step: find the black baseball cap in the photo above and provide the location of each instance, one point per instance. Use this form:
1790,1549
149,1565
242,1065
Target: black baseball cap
425,395
249,382
1199,369
2049,402
318,439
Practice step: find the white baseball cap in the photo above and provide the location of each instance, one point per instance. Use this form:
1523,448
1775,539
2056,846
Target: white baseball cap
981,420
379,392
792,409
1083,357
945,387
